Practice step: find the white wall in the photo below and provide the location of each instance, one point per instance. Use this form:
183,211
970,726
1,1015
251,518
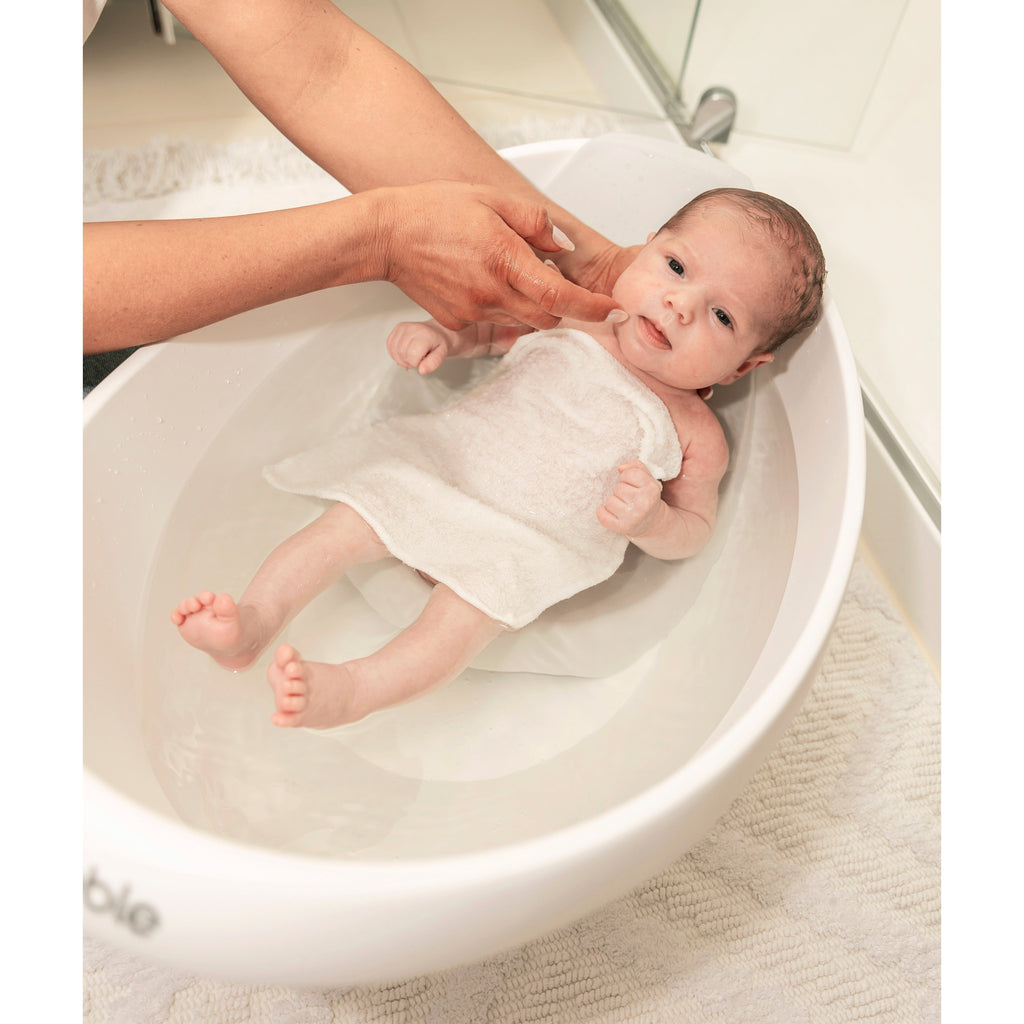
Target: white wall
803,68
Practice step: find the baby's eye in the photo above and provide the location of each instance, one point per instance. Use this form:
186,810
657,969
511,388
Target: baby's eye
723,317
675,266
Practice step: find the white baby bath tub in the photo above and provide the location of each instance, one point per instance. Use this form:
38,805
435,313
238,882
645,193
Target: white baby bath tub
495,810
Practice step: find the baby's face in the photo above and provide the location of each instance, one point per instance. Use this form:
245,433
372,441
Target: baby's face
698,298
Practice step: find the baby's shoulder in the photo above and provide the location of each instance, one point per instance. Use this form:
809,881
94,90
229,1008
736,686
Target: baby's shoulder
692,414
700,433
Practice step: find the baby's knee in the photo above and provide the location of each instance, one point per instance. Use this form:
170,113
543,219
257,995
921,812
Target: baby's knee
353,526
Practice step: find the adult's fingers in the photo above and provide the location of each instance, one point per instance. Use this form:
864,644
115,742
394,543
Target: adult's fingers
530,221
554,295
546,287
538,298
475,259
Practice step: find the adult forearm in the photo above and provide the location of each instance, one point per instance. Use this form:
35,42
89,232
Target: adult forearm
150,280
363,113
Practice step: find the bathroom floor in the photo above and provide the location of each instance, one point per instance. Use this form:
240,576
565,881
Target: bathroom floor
505,67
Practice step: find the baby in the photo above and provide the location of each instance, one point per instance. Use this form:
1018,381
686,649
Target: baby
610,421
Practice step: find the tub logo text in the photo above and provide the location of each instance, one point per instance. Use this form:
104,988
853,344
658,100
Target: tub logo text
101,898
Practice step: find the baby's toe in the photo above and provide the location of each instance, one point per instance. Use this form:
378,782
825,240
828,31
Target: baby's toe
284,656
293,686
293,702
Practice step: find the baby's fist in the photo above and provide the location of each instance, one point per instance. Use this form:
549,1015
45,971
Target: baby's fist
633,504
419,346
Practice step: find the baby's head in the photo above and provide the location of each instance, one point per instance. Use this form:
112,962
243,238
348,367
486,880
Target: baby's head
789,241
719,288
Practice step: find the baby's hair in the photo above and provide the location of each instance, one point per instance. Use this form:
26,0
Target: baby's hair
786,226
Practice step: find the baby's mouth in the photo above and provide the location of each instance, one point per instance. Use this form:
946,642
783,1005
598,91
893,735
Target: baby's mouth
653,333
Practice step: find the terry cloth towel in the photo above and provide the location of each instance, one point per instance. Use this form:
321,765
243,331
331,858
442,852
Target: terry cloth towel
496,496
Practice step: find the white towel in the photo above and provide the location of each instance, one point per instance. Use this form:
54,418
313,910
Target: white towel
496,496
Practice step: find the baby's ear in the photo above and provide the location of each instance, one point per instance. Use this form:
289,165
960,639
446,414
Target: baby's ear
758,359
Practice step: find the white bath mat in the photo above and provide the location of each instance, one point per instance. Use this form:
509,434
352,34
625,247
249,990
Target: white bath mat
815,899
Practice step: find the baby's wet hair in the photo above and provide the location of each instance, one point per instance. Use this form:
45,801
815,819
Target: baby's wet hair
787,228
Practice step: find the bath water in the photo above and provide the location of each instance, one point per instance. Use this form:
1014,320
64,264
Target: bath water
497,756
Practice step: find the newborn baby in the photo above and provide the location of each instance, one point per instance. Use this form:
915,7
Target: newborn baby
620,448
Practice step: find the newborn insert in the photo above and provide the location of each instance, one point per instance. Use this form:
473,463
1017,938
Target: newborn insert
496,495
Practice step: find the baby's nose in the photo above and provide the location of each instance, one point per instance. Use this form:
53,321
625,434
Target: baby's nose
680,301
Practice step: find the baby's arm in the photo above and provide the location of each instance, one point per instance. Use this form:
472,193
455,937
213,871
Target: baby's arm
674,519
424,345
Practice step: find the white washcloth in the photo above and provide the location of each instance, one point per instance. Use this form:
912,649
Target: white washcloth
496,496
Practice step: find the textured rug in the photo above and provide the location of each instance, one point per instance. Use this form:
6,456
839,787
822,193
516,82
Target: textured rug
814,900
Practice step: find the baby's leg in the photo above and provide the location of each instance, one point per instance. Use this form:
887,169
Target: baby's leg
431,652
292,575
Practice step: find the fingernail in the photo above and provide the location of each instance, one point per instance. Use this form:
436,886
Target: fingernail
616,316
562,239
551,263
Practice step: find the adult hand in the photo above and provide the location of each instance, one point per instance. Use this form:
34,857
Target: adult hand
463,252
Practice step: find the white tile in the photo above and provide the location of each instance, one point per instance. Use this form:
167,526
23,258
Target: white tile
136,86
509,119
802,70
506,46
621,84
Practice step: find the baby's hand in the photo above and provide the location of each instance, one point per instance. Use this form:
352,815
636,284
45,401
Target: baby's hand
633,504
420,346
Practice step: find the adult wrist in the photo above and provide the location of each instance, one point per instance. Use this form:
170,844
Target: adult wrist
357,243
382,218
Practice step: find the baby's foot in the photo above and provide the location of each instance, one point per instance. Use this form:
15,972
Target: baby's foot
309,693
213,623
